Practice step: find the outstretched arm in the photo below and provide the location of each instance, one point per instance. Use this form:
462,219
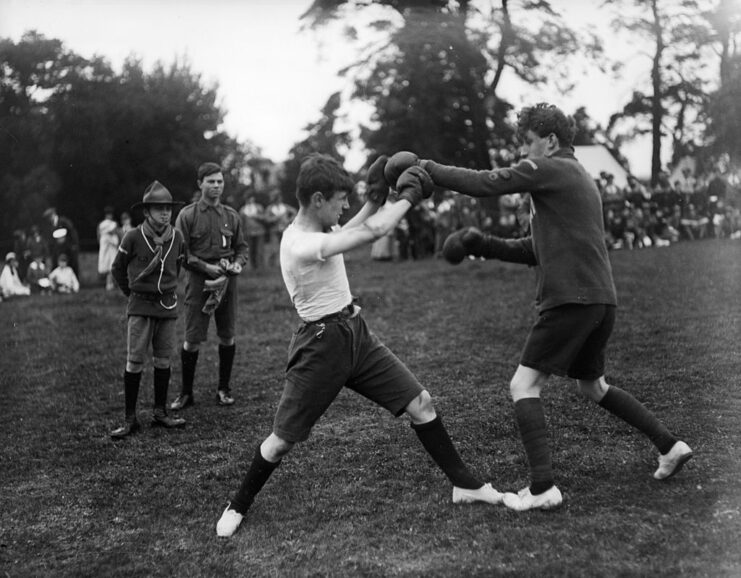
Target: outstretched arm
413,186
526,176
471,241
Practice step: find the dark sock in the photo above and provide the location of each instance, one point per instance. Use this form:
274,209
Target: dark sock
253,481
437,442
189,360
161,383
622,404
226,361
531,423
131,392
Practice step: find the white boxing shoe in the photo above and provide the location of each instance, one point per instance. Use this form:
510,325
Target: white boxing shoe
229,522
484,494
672,462
524,500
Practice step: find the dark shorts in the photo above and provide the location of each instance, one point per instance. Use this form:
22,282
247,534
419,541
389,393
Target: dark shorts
325,357
197,322
570,341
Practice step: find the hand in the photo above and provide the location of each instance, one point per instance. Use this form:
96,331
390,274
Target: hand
214,271
378,188
462,243
234,268
397,164
414,185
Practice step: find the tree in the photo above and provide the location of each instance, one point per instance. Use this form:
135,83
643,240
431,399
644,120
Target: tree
679,78
79,136
323,136
432,69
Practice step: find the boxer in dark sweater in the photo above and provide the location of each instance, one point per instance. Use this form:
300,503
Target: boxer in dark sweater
575,294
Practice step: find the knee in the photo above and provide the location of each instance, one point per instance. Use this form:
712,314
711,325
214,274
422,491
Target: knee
594,390
134,366
188,346
161,362
518,387
421,409
226,341
274,448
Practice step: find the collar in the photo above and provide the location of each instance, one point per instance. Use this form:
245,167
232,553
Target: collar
203,206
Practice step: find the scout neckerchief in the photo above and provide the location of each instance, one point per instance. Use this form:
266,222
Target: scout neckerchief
158,260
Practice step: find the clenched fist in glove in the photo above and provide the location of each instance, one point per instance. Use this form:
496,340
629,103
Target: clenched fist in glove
378,187
462,243
414,185
397,164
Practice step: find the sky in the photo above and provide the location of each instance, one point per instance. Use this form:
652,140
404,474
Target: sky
273,78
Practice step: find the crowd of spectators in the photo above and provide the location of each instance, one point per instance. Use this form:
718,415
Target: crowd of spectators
637,215
44,259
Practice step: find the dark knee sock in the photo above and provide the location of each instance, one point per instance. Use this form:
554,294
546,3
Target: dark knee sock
253,481
437,442
226,361
189,360
161,383
622,404
131,392
531,423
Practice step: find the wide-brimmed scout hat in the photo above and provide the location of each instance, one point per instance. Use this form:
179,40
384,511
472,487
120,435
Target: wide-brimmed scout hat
156,194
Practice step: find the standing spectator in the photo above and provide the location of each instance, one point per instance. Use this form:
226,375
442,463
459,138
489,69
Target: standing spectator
333,347
36,246
279,216
636,194
108,242
63,238
126,224
146,269
445,221
63,278
613,197
575,295
10,281
253,226
20,242
215,254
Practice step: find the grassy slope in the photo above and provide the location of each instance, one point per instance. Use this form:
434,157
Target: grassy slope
361,497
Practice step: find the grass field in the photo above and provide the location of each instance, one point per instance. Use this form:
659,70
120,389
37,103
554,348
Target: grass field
361,497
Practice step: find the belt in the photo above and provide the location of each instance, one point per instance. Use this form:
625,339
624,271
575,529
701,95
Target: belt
345,313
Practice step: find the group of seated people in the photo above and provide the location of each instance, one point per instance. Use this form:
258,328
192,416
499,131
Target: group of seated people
36,279
689,209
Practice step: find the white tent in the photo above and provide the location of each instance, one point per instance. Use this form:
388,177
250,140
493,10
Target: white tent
597,159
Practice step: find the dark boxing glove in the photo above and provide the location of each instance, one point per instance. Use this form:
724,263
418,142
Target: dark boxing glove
414,185
397,164
378,187
462,243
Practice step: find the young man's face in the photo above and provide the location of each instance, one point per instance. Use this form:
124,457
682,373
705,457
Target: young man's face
537,146
331,209
212,186
159,215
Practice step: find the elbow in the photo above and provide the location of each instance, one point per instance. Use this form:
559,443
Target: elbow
376,231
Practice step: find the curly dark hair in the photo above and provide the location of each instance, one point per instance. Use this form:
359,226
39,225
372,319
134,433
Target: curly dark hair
543,119
321,173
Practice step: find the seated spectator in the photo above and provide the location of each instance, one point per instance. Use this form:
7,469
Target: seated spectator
10,282
63,279
693,224
38,277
